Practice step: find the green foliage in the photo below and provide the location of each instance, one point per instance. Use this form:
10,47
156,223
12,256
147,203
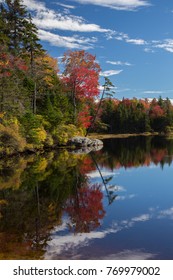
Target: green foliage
33,129
135,116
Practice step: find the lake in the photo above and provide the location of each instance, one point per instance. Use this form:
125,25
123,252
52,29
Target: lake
116,203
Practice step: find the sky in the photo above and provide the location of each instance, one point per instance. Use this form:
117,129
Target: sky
132,40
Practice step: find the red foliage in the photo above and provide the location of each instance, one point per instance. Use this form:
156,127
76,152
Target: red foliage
156,112
9,64
85,209
81,74
127,102
87,165
84,119
83,83
158,155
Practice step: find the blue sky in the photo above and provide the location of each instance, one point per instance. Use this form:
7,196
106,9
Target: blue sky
132,39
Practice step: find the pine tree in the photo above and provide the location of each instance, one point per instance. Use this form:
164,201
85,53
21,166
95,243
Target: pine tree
20,41
31,50
4,39
15,18
31,46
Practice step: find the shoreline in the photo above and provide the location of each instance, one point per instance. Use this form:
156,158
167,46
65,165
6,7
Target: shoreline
99,136
122,135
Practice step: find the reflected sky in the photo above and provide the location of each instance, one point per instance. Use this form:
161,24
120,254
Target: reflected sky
137,225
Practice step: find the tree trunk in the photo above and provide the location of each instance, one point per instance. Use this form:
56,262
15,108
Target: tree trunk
35,99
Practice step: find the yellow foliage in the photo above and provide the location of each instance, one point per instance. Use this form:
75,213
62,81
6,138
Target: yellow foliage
40,166
3,202
10,139
49,68
38,135
63,133
14,181
2,115
49,140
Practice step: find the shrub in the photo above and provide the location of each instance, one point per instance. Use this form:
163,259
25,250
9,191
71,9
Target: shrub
10,139
33,129
168,130
37,136
63,133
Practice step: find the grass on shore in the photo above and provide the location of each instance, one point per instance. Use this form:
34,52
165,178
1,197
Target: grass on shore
126,135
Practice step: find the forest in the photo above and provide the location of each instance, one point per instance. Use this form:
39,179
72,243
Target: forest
41,107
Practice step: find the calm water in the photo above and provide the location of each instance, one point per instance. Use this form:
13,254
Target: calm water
116,203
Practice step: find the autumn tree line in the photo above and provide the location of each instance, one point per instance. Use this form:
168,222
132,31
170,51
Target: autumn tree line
135,116
39,107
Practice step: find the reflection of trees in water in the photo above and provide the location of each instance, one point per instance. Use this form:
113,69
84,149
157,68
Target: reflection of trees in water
85,209
35,191
33,204
135,152
108,188
29,210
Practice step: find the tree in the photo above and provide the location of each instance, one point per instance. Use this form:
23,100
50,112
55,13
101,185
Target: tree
31,46
106,90
12,72
44,76
4,39
81,75
15,20
22,43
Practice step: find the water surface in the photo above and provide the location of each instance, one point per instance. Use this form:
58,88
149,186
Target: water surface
116,203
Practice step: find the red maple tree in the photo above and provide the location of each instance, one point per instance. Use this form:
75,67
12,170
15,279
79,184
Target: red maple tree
81,76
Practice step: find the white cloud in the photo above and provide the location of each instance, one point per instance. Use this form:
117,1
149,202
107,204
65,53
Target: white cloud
118,63
123,90
74,42
136,41
153,92
124,197
68,244
150,46
65,6
109,73
49,19
167,45
141,218
120,36
117,4
34,5
130,255
149,50
96,174
168,213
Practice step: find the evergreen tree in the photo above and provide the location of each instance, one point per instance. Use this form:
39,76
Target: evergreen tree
15,19
31,46
4,39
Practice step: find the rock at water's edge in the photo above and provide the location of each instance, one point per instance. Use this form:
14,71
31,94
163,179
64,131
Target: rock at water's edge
79,141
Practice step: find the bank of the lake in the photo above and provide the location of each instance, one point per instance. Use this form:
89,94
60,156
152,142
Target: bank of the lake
124,135
92,141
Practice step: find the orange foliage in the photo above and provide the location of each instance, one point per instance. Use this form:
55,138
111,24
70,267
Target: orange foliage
49,68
